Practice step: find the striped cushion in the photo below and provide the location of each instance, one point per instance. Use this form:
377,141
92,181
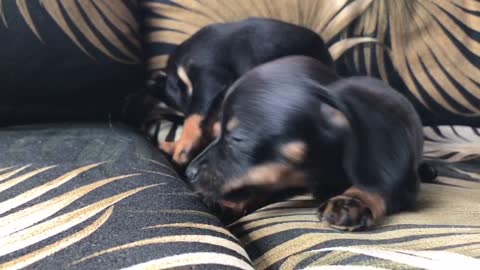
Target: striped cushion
287,235
426,49
98,196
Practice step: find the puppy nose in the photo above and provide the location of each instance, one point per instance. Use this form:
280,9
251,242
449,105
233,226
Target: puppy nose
192,173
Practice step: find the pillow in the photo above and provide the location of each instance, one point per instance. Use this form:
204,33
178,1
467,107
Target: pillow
428,50
67,59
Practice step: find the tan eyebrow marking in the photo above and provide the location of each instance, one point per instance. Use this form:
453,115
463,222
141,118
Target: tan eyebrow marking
232,123
335,116
275,175
216,129
294,151
182,74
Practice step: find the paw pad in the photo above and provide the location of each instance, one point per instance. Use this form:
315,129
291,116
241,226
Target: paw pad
346,214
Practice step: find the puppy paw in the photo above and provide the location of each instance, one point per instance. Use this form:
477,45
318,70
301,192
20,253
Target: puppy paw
346,213
183,152
190,141
167,147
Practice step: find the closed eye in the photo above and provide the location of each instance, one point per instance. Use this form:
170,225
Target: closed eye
236,139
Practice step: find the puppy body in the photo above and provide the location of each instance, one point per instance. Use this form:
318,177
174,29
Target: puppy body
298,125
207,63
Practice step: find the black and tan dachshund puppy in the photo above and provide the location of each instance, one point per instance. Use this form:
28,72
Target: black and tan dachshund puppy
207,63
292,124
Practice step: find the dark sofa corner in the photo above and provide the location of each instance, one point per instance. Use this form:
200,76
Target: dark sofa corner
82,189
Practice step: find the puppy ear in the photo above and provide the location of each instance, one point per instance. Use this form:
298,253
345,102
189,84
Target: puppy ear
212,118
376,150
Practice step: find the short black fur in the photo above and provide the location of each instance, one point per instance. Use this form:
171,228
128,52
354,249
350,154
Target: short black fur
216,56
378,149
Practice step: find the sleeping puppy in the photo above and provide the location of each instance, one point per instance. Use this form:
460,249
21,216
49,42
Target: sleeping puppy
207,63
293,125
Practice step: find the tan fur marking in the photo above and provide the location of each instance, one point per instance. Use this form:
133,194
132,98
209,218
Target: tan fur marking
167,147
189,139
277,176
236,207
335,116
216,129
240,208
182,74
232,124
373,201
294,151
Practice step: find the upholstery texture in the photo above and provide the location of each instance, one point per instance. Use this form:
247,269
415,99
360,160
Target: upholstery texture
66,59
98,196
426,49
444,231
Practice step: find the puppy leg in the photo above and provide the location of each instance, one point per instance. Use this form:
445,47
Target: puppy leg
167,147
182,150
354,210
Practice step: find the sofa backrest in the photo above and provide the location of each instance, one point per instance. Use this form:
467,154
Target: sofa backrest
428,50
64,60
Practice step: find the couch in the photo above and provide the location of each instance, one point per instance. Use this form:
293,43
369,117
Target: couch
83,188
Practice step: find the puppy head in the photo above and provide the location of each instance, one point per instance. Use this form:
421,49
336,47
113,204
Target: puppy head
282,128
265,145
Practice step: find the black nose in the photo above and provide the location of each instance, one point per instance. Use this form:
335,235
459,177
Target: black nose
192,173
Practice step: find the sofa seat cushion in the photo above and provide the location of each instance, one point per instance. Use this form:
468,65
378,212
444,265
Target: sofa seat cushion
98,196
443,232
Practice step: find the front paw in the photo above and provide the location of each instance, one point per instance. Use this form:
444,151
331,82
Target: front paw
346,214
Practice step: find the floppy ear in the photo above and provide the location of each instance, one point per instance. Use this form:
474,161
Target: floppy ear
210,124
377,152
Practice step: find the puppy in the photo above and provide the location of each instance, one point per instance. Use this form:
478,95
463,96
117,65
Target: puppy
207,63
292,124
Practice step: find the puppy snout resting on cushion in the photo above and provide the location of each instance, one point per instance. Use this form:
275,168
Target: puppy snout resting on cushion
292,125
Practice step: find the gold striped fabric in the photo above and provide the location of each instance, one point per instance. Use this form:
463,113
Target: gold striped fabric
110,26
34,227
44,215
427,49
433,46
288,235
